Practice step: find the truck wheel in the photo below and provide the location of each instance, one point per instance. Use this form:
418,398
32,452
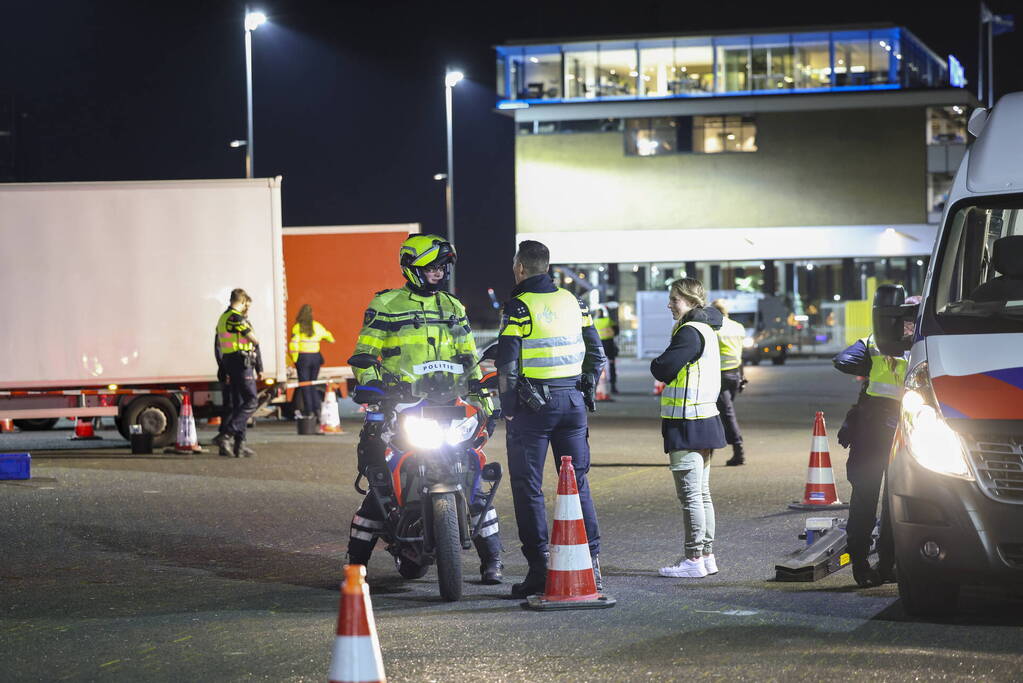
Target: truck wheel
926,598
155,414
448,546
754,361
35,424
779,359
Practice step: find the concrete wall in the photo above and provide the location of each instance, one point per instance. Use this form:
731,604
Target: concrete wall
847,167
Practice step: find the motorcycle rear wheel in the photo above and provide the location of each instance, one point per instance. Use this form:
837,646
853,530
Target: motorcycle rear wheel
448,546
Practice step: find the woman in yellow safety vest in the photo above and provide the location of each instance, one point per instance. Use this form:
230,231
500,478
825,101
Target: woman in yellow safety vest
304,349
691,369
868,431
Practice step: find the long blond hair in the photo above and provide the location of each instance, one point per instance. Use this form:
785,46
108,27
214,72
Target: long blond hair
691,290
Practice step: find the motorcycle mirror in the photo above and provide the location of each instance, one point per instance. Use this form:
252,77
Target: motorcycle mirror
364,361
489,353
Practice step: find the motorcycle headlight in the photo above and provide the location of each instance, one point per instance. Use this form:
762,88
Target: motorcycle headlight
423,433
930,440
463,430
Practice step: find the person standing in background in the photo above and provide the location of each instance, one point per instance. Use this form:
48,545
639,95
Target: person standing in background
733,379
304,348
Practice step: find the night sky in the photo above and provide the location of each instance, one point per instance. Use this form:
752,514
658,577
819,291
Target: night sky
349,97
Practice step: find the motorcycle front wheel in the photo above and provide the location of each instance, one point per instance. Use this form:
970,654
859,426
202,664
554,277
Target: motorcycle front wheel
448,546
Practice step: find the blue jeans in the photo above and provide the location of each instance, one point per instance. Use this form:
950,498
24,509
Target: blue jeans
691,471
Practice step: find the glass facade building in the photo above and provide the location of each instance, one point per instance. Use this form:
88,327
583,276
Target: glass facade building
756,64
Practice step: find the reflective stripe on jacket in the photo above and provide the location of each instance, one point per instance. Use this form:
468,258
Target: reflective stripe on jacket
886,373
552,339
300,343
730,338
693,394
605,328
231,330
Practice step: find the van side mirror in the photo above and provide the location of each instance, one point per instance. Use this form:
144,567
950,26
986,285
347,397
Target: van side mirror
890,313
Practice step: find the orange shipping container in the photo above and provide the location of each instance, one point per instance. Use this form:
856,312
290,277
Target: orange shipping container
337,270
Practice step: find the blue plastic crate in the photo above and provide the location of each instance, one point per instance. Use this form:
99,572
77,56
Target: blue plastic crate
15,466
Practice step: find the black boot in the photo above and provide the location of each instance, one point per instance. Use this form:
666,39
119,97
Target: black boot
489,550
241,449
738,456
225,444
865,575
536,579
597,578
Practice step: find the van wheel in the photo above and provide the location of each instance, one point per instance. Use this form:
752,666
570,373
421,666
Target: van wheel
35,424
779,359
155,414
926,598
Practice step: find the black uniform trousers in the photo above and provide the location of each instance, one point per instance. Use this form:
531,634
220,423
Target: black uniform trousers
308,368
611,352
368,520
225,392
730,380
561,424
241,377
865,469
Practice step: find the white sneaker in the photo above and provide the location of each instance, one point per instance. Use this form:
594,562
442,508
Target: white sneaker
692,569
710,564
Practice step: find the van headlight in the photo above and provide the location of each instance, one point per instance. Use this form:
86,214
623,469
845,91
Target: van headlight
423,433
930,440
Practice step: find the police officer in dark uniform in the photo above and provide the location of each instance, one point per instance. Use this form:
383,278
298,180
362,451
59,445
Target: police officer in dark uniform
548,360
240,361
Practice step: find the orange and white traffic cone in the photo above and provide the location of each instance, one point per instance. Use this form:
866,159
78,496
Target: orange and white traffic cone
85,430
570,580
820,491
7,425
658,387
188,439
330,414
356,655
603,392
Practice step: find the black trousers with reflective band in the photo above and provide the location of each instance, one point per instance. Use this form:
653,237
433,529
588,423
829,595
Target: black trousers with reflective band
242,385
726,405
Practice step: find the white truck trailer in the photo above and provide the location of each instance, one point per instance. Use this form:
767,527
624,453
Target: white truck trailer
111,292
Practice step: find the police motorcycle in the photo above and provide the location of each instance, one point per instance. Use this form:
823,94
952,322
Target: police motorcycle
430,488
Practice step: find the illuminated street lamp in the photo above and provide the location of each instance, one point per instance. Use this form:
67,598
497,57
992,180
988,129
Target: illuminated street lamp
451,79
253,20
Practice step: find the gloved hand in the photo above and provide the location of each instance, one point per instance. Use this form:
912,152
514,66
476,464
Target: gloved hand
370,392
742,384
492,423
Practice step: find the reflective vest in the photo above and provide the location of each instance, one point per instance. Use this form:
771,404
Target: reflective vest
404,329
730,338
300,343
553,347
228,335
693,394
604,327
886,373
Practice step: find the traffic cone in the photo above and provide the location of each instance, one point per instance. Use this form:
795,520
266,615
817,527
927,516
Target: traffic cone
330,415
85,429
820,491
188,440
356,649
570,581
603,392
658,387
7,425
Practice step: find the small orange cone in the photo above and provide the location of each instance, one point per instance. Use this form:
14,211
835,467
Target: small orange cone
356,655
7,425
330,414
188,440
570,581
820,491
658,387
603,392
85,429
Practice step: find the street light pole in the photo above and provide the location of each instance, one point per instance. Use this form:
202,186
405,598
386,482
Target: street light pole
253,20
451,79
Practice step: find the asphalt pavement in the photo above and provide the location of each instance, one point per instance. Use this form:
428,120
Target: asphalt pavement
202,568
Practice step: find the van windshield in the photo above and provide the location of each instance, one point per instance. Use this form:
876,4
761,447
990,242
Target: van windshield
977,284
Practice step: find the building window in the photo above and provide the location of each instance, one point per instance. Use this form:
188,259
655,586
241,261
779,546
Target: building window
715,134
535,73
656,136
694,64
812,54
771,63
565,127
659,70
617,75
733,56
946,125
581,71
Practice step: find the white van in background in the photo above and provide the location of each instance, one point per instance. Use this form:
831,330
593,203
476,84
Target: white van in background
955,480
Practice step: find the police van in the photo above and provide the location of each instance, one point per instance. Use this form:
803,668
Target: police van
956,474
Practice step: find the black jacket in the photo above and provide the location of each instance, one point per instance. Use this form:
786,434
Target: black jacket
509,348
